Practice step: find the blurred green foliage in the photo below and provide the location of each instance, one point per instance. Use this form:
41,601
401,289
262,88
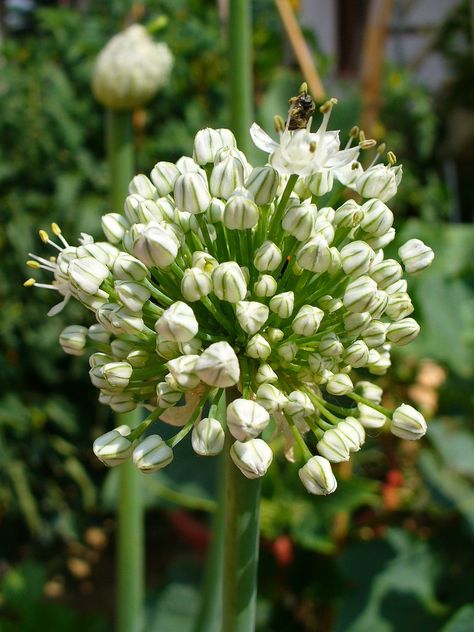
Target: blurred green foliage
393,548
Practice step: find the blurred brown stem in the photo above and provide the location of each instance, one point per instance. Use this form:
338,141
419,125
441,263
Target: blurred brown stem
372,60
301,49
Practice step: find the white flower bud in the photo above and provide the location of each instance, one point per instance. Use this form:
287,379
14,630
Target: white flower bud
369,417
131,294
408,423
354,431
131,208
218,365
386,273
113,448
253,458
299,221
268,257
117,374
96,377
195,284
187,165
251,315
262,184
381,365
73,340
265,286
258,348
416,256
152,454
378,304
208,437
129,268
246,419
314,255
228,282
317,476
215,212
191,193
320,183
339,384
142,186
329,304
349,435
274,335
330,345
377,219
283,304
114,226
265,374
191,347
138,358
164,176
335,261
88,274
121,402
207,143
99,359
183,370
334,446
167,396
130,69
325,228
359,294
240,213
348,215
119,320
403,331
317,363
177,323
204,261
101,250
370,391
120,348
288,351
356,258
399,306
398,286
307,320
226,176
167,349
375,334
379,181
298,406
97,333
271,398
377,242
357,354
355,323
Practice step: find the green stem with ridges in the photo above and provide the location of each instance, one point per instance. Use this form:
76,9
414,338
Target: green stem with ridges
241,548
130,518
209,618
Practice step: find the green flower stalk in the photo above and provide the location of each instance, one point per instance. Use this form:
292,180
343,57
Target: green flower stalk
218,275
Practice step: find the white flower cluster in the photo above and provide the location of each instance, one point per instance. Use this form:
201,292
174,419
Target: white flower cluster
219,275
130,69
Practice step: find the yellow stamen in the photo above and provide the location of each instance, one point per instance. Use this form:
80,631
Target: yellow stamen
381,148
29,282
392,159
43,236
33,264
279,124
304,87
312,147
367,144
55,228
328,105
354,132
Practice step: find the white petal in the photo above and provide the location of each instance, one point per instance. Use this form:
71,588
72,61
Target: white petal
59,306
262,139
342,158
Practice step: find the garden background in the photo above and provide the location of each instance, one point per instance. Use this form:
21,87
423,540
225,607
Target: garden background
392,550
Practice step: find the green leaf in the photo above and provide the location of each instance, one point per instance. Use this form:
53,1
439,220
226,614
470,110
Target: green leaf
454,444
462,621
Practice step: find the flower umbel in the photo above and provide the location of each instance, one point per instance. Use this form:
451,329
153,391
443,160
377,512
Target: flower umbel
220,276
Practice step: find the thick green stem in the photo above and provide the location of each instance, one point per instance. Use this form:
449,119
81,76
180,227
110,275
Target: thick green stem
240,72
209,617
241,548
130,518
